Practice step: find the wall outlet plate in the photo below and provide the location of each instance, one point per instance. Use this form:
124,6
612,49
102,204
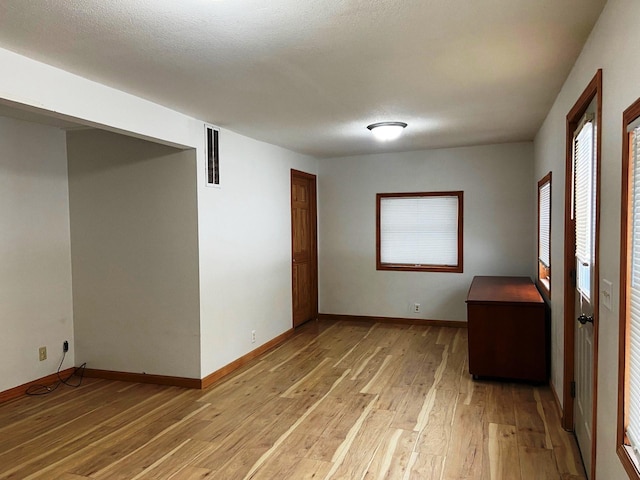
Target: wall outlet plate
42,353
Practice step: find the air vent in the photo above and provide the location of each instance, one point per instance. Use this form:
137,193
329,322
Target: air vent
213,157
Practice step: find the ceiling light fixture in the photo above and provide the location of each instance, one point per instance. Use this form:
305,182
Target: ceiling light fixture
385,131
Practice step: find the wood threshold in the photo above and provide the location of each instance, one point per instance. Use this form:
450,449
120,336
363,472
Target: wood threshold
20,390
396,320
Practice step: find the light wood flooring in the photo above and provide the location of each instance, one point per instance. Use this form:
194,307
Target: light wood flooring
339,400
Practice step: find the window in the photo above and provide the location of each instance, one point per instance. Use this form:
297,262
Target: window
584,203
419,231
213,158
544,234
629,348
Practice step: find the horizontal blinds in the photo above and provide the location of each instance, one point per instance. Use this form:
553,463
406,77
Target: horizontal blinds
419,230
633,367
544,227
583,202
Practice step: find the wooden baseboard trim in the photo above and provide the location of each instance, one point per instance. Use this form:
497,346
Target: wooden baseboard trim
556,398
21,390
399,321
231,367
143,378
155,379
188,382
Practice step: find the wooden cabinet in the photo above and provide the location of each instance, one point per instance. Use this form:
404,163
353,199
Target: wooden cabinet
508,329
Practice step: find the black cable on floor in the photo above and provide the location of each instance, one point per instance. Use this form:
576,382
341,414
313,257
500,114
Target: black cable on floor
45,390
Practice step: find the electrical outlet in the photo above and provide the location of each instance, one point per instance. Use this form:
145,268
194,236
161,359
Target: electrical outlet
416,308
65,346
253,336
42,353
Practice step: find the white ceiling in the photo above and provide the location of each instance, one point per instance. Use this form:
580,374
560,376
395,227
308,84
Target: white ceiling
310,75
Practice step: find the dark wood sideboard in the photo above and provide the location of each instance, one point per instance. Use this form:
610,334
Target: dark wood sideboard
508,329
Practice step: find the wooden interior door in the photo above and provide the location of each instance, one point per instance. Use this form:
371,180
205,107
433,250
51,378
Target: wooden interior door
304,258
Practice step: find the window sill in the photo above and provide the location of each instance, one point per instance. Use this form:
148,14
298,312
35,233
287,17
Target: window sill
629,461
420,268
545,286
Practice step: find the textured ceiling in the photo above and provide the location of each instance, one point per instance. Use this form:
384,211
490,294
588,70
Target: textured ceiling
310,75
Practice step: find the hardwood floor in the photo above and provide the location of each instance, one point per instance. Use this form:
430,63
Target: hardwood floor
339,400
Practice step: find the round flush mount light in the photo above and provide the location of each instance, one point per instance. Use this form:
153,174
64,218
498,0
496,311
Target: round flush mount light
385,131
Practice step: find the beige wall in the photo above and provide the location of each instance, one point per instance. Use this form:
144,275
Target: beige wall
134,254
35,270
499,227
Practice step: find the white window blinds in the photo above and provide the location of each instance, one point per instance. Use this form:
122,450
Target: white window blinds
544,226
419,230
633,367
583,205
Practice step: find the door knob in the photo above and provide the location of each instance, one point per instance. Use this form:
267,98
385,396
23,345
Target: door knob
584,319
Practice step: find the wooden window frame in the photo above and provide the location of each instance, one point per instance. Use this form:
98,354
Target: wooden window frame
458,268
544,272
629,116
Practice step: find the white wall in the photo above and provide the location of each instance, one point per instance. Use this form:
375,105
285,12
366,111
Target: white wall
245,248
499,227
134,239
244,231
50,90
35,271
243,228
612,46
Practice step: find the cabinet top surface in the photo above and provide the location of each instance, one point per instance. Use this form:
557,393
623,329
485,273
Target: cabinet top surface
504,290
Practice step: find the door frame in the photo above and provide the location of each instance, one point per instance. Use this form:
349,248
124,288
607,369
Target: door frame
593,90
313,203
